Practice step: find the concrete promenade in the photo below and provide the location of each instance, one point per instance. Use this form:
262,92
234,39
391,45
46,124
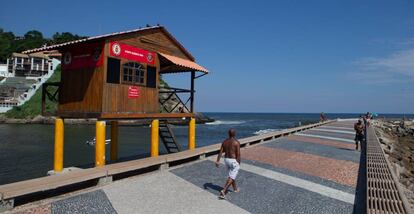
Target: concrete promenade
314,171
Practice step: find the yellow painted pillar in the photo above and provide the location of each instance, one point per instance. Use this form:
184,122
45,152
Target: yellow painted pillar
154,138
114,140
100,144
191,134
59,134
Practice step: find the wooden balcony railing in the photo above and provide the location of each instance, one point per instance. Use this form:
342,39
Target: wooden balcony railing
50,93
172,94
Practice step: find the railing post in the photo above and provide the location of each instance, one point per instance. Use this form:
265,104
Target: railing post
59,136
191,134
114,140
100,144
43,98
192,91
154,138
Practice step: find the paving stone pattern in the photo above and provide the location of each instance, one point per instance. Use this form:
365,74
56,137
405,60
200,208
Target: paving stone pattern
91,202
293,174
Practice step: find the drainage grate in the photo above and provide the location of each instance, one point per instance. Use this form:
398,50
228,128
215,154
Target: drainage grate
383,194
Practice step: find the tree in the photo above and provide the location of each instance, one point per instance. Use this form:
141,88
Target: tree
9,43
63,37
32,39
6,44
33,35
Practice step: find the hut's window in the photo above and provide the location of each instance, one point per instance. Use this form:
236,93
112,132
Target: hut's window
113,71
133,73
151,77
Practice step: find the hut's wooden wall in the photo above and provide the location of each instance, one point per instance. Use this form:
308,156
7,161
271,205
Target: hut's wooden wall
86,90
115,96
81,91
115,100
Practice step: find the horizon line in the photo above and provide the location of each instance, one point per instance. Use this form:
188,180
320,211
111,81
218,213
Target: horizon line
247,112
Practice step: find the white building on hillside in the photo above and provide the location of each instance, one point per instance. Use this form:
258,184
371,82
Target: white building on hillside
24,74
29,65
4,71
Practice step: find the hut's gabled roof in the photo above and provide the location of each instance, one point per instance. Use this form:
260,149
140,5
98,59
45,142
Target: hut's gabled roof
105,36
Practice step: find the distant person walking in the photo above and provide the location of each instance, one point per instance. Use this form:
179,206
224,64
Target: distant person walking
367,121
359,133
322,117
231,148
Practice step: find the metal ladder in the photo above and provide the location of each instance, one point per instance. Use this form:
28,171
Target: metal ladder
168,138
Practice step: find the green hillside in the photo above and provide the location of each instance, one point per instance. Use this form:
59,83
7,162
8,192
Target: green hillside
32,108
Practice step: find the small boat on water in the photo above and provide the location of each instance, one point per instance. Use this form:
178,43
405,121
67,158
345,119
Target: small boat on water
93,142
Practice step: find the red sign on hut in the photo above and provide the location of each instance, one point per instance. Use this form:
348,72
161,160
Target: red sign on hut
90,56
132,53
133,92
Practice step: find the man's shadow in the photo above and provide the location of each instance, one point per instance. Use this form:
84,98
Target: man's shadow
212,186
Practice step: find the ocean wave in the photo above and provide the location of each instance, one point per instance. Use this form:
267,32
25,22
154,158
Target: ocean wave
226,122
264,131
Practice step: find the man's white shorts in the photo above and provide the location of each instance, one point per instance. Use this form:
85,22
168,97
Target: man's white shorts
232,167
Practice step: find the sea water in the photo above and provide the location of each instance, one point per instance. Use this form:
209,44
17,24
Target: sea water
26,150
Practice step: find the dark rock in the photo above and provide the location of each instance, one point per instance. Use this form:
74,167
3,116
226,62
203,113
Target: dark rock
38,119
384,141
201,118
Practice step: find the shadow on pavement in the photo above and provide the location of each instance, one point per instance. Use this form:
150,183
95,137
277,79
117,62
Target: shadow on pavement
361,188
347,149
212,186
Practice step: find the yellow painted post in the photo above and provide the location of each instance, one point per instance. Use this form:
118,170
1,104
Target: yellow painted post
100,144
191,134
58,157
154,138
114,140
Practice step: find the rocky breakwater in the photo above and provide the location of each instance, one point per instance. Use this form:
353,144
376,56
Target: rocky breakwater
200,119
397,141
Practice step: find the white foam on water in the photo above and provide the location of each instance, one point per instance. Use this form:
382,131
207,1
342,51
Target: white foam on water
226,122
265,131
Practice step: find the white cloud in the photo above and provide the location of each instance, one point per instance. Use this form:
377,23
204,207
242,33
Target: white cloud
397,67
406,42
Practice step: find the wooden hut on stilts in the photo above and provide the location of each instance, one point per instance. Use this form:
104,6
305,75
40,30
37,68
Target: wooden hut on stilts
115,77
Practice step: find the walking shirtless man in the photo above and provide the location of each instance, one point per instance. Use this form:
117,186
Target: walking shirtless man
231,148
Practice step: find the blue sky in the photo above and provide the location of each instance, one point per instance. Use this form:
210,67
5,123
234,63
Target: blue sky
264,56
